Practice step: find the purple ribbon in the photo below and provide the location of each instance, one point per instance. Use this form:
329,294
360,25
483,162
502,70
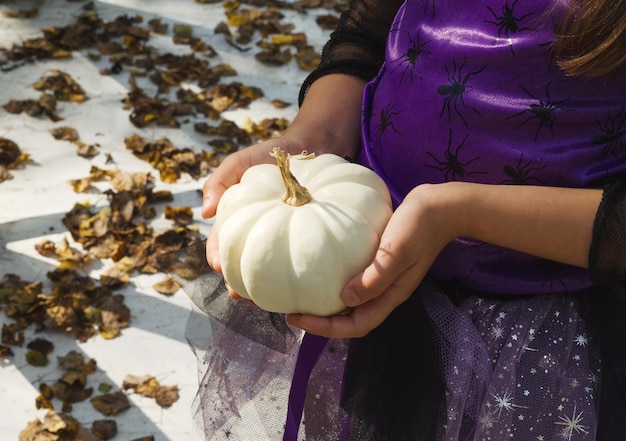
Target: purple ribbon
310,351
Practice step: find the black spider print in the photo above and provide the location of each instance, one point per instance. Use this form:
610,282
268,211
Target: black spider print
520,173
454,91
460,286
386,116
543,111
410,58
452,165
611,137
508,22
430,3
551,272
547,50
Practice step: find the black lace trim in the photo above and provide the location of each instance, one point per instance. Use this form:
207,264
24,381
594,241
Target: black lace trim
607,256
357,46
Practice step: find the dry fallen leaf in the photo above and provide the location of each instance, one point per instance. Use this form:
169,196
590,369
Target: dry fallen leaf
111,404
65,133
115,316
167,286
104,429
11,157
22,13
180,215
148,386
64,87
56,427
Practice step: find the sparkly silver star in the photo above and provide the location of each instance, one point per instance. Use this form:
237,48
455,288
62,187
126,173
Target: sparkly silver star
571,425
581,340
497,332
505,402
488,419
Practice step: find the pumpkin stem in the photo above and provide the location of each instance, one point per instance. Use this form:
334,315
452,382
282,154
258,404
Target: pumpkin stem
295,194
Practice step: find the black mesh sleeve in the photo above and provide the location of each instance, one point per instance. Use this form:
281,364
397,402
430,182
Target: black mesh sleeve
357,46
607,256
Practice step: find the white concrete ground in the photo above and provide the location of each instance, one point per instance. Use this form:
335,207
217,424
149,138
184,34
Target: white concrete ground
34,202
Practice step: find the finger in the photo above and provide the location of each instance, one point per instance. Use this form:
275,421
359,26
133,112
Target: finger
226,175
387,265
358,323
212,191
212,251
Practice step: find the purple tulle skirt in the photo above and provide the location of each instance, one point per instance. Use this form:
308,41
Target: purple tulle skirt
446,365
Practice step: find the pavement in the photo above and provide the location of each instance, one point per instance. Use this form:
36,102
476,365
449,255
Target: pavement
34,202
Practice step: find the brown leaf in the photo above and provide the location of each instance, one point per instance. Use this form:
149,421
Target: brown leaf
180,215
119,273
71,392
22,13
46,248
65,133
62,252
108,248
12,335
327,21
36,358
157,26
280,104
145,385
167,395
72,361
148,386
87,150
104,429
82,185
111,404
275,56
5,174
34,431
55,427
6,351
63,87
167,286
308,59
115,316
9,152
42,345
42,402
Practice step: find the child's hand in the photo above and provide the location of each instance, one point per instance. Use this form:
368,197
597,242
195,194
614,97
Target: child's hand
414,236
229,173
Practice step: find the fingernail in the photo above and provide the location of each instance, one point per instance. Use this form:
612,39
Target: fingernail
350,298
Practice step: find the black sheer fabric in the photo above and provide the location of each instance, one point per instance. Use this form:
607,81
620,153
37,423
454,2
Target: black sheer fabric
606,309
357,46
607,257
393,387
207,290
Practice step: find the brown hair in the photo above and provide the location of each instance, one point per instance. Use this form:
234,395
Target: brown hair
591,40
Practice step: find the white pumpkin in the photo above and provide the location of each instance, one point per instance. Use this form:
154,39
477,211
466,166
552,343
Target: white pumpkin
291,236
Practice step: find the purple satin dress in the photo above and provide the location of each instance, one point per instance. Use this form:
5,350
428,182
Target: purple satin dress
469,91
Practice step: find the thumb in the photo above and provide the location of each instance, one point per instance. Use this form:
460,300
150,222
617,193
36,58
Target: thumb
212,192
